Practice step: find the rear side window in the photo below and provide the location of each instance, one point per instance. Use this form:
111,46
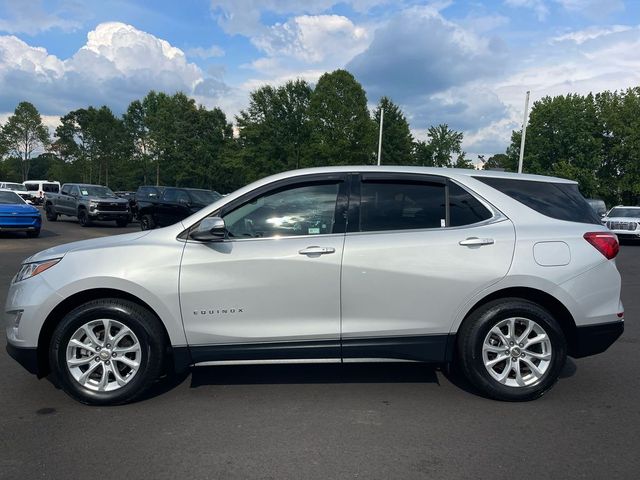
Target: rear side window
50,187
401,205
32,187
561,201
464,208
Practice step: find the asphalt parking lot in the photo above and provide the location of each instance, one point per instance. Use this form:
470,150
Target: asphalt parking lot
375,421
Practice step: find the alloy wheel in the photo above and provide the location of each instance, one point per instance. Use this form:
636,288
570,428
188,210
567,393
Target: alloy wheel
103,355
517,352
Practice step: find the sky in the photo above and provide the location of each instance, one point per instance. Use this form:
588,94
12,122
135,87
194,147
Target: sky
464,63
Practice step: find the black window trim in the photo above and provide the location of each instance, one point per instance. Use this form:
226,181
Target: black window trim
353,226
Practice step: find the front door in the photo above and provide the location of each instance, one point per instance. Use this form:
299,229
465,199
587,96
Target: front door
272,289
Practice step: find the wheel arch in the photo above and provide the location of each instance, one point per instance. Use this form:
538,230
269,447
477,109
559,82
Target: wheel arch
547,301
73,301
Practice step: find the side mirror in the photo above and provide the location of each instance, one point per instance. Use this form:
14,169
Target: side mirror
210,229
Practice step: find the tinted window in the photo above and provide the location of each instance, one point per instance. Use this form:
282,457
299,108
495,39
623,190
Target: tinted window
397,205
32,187
624,212
464,208
299,210
171,195
204,197
561,201
9,198
50,187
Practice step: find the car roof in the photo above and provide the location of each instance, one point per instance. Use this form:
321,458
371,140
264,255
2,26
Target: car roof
449,172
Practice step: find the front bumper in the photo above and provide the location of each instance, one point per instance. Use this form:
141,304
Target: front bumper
594,339
27,357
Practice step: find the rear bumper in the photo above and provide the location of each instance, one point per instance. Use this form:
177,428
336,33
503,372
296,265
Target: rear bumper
27,357
594,339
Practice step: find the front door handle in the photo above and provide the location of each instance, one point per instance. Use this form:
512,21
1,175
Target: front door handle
316,250
476,242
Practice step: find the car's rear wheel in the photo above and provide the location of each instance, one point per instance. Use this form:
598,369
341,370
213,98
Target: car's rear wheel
511,349
51,215
107,352
147,222
83,218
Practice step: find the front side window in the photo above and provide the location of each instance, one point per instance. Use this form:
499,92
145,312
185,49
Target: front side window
307,209
401,205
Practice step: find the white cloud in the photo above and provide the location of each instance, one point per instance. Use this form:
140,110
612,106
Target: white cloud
313,39
590,33
244,16
30,16
211,52
118,64
592,8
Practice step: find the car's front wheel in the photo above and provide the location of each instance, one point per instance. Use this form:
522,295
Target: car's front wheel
83,218
511,349
107,351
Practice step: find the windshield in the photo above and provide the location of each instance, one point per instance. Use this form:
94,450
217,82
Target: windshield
16,187
204,197
624,212
10,198
96,191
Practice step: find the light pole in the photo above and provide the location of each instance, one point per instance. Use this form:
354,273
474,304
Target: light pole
380,137
524,131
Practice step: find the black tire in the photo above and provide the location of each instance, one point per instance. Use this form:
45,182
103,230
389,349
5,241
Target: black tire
83,218
33,233
473,332
147,222
51,215
122,222
140,321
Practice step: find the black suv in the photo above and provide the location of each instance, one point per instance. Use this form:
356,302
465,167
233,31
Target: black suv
168,205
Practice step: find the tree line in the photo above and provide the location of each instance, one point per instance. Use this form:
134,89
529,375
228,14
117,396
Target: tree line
170,140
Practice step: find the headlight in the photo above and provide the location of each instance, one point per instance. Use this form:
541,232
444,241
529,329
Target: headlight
93,204
29,270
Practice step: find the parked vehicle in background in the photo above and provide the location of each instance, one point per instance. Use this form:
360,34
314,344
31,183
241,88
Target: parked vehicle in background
88,203
502,274
18,216
624,222
20,189
131,198
173,205
598,206
144,195
39,188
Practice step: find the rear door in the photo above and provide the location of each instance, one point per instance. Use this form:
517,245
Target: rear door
411,259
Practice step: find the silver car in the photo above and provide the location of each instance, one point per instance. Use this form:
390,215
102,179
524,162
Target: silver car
624,222
502,274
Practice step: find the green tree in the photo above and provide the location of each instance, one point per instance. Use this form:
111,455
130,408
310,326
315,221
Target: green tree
445,145
342,132
397,141
274,130
501,160
23,134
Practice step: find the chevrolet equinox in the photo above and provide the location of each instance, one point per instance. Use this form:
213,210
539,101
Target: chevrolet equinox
502,275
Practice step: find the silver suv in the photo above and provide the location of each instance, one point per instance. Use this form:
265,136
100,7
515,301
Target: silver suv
624,222
502,274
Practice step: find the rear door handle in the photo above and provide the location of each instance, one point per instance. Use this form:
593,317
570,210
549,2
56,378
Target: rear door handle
476,242
316,250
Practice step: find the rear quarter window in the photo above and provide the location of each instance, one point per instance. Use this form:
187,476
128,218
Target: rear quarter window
562,201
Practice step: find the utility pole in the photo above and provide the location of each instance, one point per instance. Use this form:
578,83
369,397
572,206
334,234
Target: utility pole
380,138
524,131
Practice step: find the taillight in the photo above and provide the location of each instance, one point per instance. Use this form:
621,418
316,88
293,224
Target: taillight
605,242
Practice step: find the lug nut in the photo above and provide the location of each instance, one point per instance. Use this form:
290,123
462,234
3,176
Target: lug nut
114,354
522,355
108,345
98,349
522,345
97,359
107,362
511,343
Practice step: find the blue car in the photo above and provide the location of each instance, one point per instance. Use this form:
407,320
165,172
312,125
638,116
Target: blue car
18,216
